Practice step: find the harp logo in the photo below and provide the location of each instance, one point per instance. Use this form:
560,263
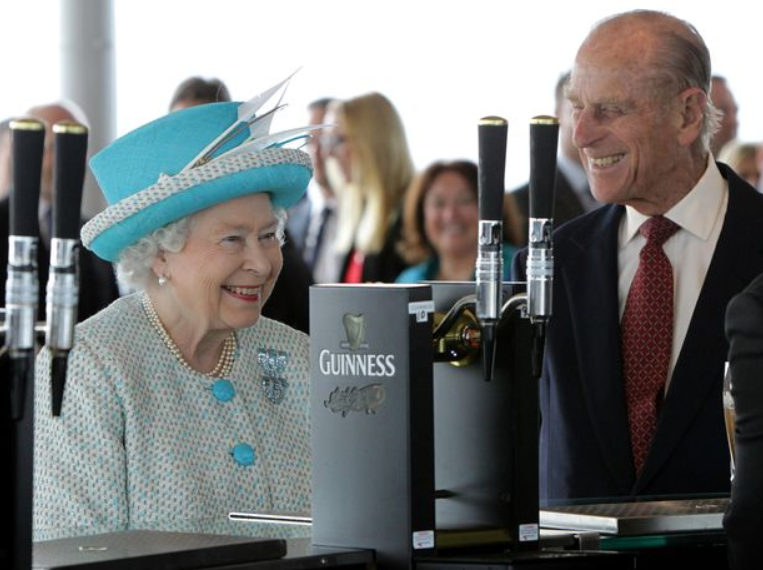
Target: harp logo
355,329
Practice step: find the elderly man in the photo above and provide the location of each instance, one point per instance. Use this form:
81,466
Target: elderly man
631,386
723,100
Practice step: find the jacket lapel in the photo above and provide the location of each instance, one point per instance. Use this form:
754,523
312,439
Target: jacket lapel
591,286
737,259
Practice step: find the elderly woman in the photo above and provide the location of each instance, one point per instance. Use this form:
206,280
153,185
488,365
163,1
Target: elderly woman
182,403
441,221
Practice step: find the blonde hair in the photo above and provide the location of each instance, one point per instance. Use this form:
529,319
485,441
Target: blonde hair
381,171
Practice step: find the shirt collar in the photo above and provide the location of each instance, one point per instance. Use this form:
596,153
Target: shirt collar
696,212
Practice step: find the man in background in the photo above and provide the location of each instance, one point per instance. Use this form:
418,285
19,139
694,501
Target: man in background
313,221
572,193
723,100
98,286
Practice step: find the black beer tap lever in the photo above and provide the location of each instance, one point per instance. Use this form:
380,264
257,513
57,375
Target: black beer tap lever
21,288
62,295
544,137
492,167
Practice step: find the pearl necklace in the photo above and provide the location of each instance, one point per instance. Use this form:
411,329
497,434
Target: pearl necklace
227,356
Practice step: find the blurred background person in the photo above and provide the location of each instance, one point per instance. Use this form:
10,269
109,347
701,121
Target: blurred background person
312,222
183,402
441,223
744,518
369,167
6,162
572,193
723,99
743,158
197,91
289,302
98,284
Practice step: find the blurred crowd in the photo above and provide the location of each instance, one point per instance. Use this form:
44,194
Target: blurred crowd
368,215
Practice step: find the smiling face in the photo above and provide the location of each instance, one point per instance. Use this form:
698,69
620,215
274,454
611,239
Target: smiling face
634,133
226,271
451,216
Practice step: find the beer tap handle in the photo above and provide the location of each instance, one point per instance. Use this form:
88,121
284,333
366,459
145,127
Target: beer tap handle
63,281
492,166
21,288
544,138
28,140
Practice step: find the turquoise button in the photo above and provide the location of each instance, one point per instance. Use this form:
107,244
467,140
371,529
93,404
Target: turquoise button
244,454
223,390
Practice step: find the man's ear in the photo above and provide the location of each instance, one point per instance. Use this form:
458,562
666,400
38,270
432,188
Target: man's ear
692,110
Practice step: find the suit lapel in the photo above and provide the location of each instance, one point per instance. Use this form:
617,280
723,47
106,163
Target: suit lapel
736,261
591,287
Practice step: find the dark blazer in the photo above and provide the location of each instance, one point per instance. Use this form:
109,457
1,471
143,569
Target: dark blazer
585,442
97,281
298,222
744,519
289,302
567,204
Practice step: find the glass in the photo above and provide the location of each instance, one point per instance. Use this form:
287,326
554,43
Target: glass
729,415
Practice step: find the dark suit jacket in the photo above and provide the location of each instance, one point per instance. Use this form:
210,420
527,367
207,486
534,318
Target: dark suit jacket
298,222
289,302
567,204
585,441
744,519
97,282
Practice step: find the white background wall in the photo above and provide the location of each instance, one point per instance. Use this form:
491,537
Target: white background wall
444,63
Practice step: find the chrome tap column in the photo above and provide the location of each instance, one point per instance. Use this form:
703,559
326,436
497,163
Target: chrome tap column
28,138
544,138
63,282
492,167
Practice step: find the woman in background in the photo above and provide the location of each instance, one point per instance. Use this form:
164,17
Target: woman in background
369,167
441,223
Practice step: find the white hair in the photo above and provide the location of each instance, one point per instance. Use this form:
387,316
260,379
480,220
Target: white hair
135,264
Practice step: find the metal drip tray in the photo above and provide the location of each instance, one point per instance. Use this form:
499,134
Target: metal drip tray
632,519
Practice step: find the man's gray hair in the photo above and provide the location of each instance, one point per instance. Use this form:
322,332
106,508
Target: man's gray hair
681,61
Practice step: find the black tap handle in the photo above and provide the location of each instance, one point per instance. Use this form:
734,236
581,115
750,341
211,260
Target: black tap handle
69,177
544,139
28,139
492,166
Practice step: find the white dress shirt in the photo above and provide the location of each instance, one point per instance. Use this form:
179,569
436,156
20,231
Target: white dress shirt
700,216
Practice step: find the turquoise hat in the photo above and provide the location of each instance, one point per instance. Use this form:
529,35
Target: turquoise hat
188,161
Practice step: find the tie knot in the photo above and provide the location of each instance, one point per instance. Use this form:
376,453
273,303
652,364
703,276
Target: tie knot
658,229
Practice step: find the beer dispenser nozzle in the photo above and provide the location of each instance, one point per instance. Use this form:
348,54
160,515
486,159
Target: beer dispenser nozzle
544,137
21,288
492,166
62,295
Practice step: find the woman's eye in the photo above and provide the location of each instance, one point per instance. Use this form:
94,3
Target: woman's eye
231,239
269,236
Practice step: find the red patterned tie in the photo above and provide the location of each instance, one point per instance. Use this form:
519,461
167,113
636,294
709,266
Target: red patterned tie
647,335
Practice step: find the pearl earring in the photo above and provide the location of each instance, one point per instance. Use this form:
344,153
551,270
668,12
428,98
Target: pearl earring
162,280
